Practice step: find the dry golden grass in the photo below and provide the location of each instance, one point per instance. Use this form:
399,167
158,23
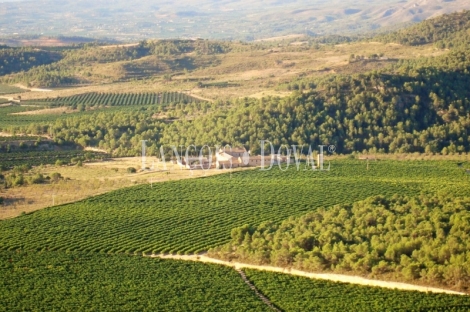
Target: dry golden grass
120,46
279,38
90,180
273,93
47,111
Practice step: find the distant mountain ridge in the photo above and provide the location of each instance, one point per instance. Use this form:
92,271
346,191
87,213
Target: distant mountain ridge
225,19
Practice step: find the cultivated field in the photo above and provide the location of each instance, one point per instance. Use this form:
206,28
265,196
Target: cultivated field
99,235
191,216
92,179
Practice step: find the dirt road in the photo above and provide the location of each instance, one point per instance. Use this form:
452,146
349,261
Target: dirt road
325,276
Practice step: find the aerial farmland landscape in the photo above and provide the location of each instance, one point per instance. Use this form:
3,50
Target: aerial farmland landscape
235,155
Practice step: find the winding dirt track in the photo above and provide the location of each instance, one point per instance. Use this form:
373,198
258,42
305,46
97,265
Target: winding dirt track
325,276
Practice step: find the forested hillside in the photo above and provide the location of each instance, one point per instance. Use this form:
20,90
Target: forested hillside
417,106
14,60
448,30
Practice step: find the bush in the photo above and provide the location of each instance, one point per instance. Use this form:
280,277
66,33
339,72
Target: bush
56,177
22,168
36,179
17,180
59,163
131,170
13,180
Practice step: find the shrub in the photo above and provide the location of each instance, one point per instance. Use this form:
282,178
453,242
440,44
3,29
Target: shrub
131,170
56,176
36,179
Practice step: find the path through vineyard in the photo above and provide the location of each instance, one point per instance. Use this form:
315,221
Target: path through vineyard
260,295
325,276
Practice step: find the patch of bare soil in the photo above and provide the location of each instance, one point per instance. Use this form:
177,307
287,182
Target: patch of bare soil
46,111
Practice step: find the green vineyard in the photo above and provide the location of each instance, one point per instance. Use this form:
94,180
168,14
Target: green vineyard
305,294
10,118
66,257
35,158
6,140
191,216
119,99
56,281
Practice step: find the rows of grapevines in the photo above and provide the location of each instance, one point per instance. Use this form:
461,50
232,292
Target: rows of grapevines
190,216
34,158
305,294
15,138
121,99
56,281
7,117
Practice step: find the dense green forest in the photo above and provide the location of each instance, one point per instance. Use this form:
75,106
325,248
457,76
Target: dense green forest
423,238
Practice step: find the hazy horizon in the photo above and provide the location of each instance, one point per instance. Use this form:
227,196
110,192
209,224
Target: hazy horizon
210,19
